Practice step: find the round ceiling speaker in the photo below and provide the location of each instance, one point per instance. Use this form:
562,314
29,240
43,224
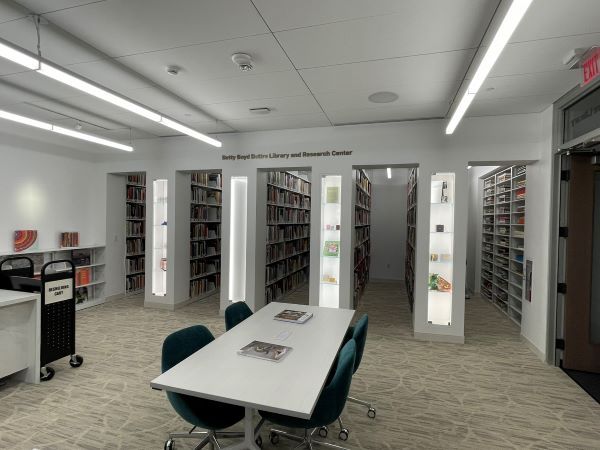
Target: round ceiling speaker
383,97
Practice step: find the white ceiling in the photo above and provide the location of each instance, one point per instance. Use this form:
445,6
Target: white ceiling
316,61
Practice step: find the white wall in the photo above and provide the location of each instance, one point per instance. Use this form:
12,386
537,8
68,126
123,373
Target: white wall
388,224
49,193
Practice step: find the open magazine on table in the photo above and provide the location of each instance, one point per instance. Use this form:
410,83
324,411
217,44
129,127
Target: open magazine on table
264,350
290,315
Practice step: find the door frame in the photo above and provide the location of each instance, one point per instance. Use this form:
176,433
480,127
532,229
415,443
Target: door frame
556,272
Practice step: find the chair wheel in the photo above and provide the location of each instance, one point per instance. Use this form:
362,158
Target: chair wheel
371,413
344,434
258,441
46,373
274,438
169,445
323,432
76,361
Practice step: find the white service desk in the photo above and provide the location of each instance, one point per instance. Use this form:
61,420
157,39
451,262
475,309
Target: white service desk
20,335
291,386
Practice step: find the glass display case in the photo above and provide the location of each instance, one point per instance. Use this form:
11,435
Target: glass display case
331,209
159,239
441,249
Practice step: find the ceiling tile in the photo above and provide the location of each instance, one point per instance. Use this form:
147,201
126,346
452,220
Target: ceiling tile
206,61
514,105
121,28
387,113
110,74
41,86
120,134
302,104
426,71
281,122
11,93
529,84
455,25
44,6
11,11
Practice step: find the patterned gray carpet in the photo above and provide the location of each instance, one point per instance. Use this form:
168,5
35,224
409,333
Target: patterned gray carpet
490,393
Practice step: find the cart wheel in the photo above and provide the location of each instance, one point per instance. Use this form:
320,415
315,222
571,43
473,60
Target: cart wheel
343,434
169,445
76,360
274,438
258,441
46,373
371,413
323,432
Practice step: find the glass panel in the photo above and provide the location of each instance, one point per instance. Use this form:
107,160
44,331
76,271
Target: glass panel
331,209
582,117
595,299
159,254
237,239
441,246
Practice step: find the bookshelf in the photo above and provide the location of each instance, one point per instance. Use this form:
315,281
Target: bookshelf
89,261
503,239
205,233
135,233
288,233
411,236
362,232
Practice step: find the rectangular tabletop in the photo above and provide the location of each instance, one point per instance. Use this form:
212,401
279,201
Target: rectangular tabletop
291,386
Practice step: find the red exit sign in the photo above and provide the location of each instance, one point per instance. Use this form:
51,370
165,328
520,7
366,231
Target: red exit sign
591,66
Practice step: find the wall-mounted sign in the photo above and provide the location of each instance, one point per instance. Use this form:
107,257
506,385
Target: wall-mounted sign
58,291
274,155
591,66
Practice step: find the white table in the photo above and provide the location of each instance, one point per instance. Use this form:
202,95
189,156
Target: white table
20,335
291,386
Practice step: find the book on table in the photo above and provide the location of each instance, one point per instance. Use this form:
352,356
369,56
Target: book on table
264,350
290,315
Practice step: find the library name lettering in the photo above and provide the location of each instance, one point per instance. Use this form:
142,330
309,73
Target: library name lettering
326,154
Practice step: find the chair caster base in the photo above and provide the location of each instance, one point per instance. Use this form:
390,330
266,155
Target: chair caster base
46,373
169,445
371,413
344,433
323,432
76,360
274,438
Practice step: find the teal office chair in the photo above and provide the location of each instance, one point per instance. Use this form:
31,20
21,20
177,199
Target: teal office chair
328,408
207,414
235,313
359,334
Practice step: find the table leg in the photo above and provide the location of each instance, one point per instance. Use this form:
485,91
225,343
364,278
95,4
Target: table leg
249,443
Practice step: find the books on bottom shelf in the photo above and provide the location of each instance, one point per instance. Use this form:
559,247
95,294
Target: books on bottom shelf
264,350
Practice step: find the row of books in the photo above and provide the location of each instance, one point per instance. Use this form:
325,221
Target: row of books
205,230
362,199
69,239
362,180
135,228
136,193
81,295
361,234
135,211
520,193
520,170
203,285
200,195
289,181
277,215
200,249
133,265
277,290
81,257
286,267
201,212
276,233
362,217
208,179
135,283
136,246
503,177
284,250
139,178
201,267
361,252
286,198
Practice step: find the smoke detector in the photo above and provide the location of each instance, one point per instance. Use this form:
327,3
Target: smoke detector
243,60
173,70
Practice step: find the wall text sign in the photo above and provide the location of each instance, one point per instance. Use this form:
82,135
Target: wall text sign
273,155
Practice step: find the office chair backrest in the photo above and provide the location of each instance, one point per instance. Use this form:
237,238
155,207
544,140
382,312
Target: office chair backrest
183,343
360,337
236,313
333,398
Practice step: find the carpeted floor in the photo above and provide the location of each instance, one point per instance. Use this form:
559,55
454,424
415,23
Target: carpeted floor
489,393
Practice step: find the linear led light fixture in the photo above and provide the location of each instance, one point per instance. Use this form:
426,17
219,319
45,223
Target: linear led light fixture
389,173
509,24
64,131
33,62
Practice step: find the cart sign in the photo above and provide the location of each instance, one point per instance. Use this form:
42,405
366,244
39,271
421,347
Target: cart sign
58,291
591,66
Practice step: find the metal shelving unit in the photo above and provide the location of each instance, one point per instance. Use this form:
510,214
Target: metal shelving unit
135,233
362,232
411,237
503,239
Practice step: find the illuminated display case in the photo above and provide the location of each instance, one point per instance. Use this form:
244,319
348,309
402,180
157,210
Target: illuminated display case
441,249
159,239
331,209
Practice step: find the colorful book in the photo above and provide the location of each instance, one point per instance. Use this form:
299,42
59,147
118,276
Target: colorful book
24,239
264,350
290,315
331,248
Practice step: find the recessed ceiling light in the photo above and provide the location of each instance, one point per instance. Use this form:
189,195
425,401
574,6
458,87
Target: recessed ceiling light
261,110
243,60
383,97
